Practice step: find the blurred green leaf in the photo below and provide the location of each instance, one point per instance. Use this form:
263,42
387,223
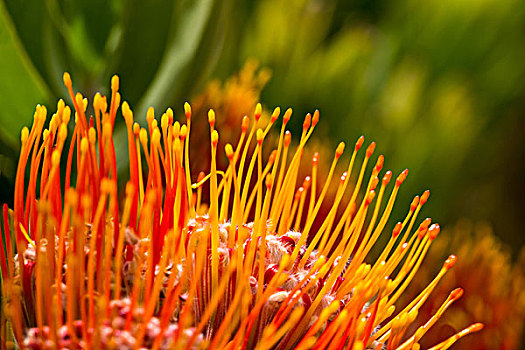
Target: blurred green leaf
22,86
194,34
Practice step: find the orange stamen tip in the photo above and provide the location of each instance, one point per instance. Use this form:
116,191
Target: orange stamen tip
425,224
114,83
402,177
287,115
275,114
67,80
287,138
315,118
201,176
315,158
387,178
450,262
339,150
414,203
307,122
424,197
187,110
245,123
306,183
456,294
397,229
260,136
229,151
371,148
300,190
359,143
374,183
258,111
214,138
370,197
136,129
433,231
379,163
271,159
269,181
476,327
211,117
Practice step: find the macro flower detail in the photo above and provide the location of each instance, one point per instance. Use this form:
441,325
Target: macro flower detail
225,260
494,285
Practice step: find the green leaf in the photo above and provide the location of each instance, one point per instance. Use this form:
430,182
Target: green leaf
21,87
191,22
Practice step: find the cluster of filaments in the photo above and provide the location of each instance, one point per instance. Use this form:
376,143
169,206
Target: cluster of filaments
158,268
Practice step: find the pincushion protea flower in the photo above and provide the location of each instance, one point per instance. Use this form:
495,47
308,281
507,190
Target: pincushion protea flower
149,272
494,288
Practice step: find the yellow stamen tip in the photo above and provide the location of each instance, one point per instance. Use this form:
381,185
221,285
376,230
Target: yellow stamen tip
211,117
66,115
155,138
214,138
45,135
150,116
164,121
143,136
260,136
245,124
275,114
340,149
67,80
136,128
258,111
114,83
24,134
229,151
62,132
187,110
183,131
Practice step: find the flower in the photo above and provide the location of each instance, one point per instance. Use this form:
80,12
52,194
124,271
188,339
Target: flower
164,269
494,288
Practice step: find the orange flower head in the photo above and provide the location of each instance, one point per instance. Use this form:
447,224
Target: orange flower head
164,268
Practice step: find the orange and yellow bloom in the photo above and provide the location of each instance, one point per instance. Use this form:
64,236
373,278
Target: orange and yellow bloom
166,268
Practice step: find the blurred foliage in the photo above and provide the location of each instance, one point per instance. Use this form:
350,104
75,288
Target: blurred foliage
439,86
